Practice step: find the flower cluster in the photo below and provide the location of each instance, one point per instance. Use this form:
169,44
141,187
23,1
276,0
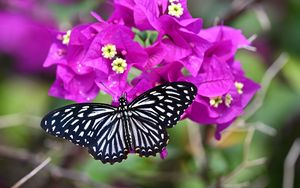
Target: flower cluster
160,40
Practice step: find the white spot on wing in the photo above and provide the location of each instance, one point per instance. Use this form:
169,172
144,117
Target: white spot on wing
169,114
160,109
87,125
99,112
171,92
170,107
81,134
160,97
76,129
56,114
67,110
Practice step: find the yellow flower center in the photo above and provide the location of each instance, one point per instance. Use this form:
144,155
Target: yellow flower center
66,37
119,65
239,86
216,101
175,10
109,51
228,100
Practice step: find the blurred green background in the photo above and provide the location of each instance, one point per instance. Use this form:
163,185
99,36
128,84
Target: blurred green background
251,154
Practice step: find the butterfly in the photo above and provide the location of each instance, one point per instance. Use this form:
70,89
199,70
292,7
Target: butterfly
110,132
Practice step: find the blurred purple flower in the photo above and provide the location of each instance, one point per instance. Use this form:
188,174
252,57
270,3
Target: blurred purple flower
25,33
164,153
17,33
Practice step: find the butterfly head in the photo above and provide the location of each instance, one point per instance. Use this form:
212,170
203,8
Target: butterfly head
123,100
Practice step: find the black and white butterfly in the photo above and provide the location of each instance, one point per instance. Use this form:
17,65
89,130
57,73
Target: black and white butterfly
110,133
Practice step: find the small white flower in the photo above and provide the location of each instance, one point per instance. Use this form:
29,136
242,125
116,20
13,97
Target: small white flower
119,65
175,10
109,51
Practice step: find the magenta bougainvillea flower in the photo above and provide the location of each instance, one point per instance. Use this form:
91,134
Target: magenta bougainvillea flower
98,55
223,101
145,14
154,42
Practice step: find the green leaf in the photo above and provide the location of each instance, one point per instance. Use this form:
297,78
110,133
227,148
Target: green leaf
145,38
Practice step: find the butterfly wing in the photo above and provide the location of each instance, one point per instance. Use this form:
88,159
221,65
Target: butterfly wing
111,145
154,111
165,103
92,125
148,137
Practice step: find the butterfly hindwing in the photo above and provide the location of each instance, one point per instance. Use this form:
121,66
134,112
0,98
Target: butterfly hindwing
148,136
111,145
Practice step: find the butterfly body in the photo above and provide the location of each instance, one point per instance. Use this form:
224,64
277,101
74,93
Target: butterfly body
110,133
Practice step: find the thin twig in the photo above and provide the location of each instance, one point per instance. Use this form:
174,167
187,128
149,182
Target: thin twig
12,120
55,171
265,84
245,162
247,144
32,173
262,17
238,9
263,128
256,162
9,120
195,140
238,185
243,165
289,165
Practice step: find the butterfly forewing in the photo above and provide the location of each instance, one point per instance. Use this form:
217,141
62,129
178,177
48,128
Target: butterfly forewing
165,103
92,125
